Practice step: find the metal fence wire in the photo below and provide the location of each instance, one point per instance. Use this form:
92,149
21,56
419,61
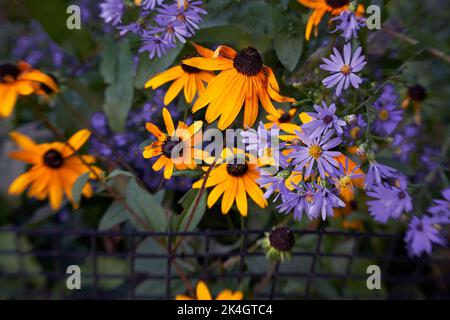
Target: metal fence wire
140,265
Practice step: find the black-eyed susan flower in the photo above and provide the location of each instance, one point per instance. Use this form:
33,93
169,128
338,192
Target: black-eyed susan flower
321,7
284,117
233,178
176,148
242,81
202,293
21,79
190,78
54,168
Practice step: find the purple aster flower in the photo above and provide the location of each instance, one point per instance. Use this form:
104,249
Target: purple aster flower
343,69
377,173
112,11
405,142
185,12
388,112
421,235
324,202
133,27
171,30
355,129
441,208
389,202
298,201
151,4
430,158
324,120
273,183
155,45
349,24
316,150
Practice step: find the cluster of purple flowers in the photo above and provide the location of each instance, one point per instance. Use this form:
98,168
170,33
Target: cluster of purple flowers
317,196
159,25
348,23
125,147
405,142
355,129
425,231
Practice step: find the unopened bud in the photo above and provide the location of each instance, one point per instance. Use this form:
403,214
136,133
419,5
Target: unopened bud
351,119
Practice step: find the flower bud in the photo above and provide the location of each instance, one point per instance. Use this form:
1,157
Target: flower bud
351,119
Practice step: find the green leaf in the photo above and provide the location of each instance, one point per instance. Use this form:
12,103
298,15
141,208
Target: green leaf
117,69
188,201
78,186
119,172
115,214
52,16
149,67
147,206
288,36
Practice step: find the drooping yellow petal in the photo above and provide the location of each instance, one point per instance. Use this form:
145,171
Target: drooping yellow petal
159,163
164,77
175,89
202,291
8,98
190,88
55,191
26,156
21,183
229,195
254,191
241,198
204,52
168,169
22,140
38,76
224,51
216,193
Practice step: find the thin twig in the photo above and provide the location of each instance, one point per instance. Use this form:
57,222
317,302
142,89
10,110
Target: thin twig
431,50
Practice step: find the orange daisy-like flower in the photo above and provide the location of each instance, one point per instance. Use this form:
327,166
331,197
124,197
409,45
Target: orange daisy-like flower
176,148
203,293
184,76
54,168
234,177
23,80
320,7
284,117
351,176
243,80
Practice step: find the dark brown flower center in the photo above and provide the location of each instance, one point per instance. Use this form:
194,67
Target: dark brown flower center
282,239
337,3
170,144
328,119
8,69
285,118
248,62
53,159
417,93
237,170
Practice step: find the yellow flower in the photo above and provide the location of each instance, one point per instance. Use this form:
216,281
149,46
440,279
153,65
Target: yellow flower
320,7
284,117
184,76
23,80
54,168
203,293
243,81
234,180
181,140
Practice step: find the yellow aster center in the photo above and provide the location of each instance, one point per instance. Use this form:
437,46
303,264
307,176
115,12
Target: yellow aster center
315,151
383,115
345,181
346,69
354,132
309,197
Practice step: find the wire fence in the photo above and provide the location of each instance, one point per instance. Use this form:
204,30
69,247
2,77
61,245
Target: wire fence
127,264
